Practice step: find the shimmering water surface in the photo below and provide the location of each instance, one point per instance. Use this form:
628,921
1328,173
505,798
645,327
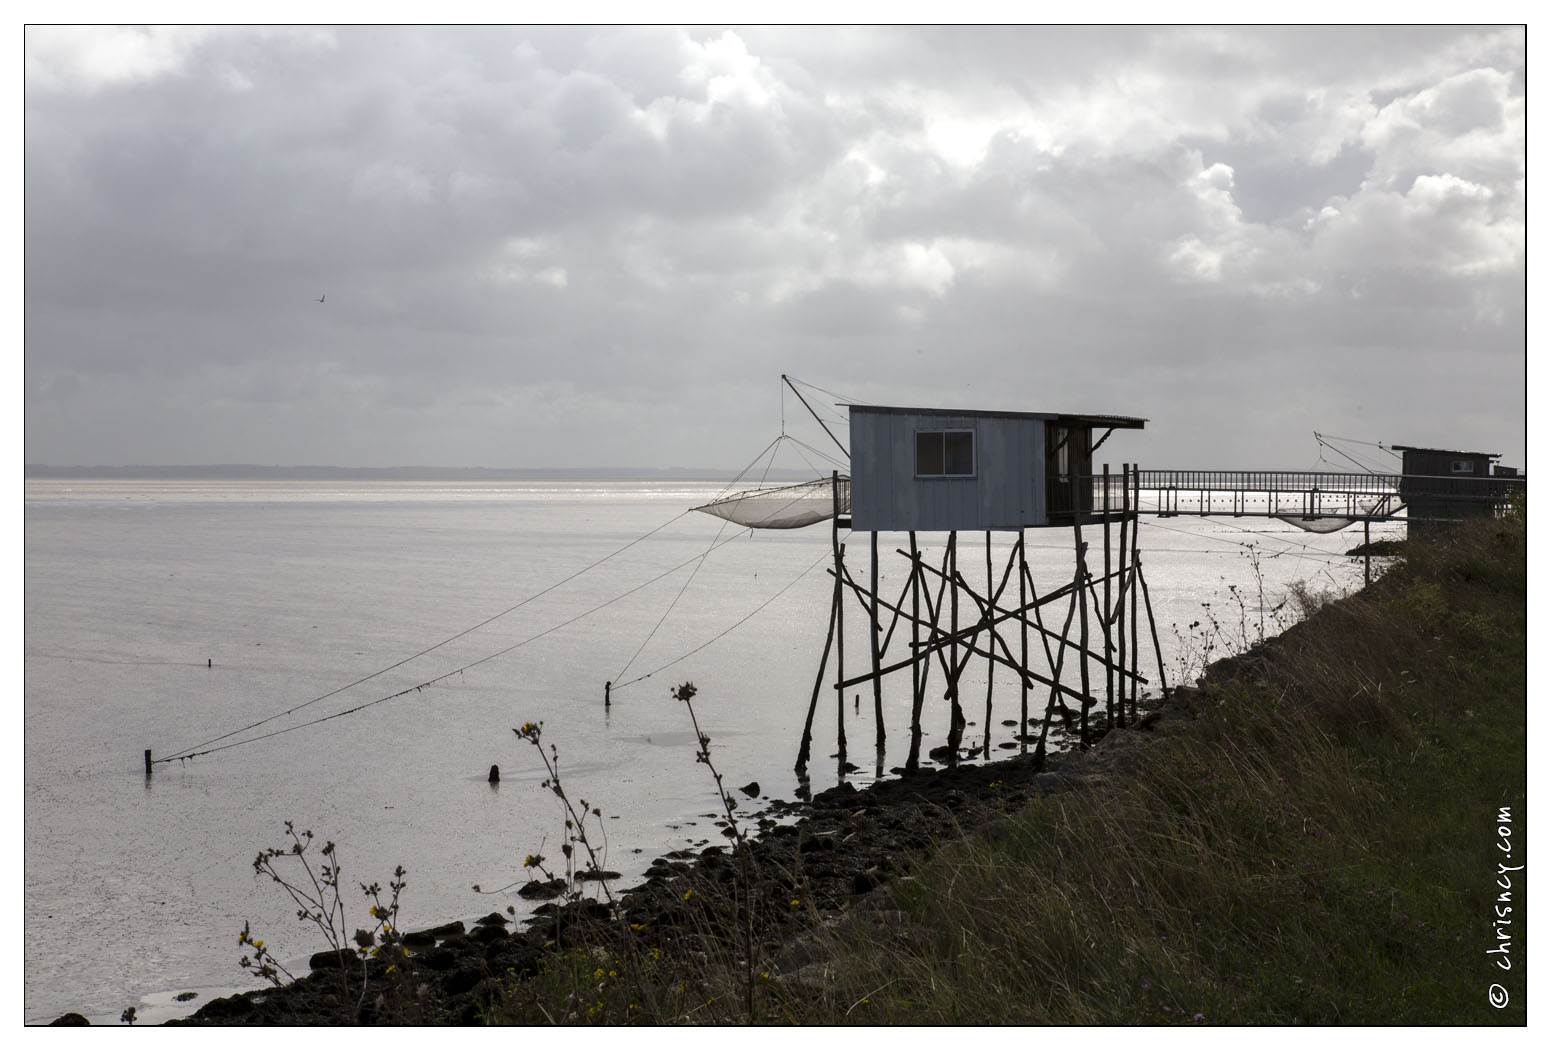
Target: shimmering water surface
167,614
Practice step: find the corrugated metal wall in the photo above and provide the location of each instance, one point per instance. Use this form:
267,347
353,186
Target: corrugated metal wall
1007,491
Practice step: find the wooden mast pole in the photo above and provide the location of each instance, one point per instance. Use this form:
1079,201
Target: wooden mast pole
815,415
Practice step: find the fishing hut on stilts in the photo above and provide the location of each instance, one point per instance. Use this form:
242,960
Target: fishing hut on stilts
1072,647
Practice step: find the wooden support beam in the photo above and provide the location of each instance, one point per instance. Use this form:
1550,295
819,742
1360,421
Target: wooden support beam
1055,690
970,650
1163,682
894,621
987,606
1032,605
934,612
1055,596
1052,659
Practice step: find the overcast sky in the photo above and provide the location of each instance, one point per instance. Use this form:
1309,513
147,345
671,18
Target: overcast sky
599,247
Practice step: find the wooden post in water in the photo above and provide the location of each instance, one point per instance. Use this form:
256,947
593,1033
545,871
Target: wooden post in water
147,762
1367,557
877,681
1055,686
818,682
804,749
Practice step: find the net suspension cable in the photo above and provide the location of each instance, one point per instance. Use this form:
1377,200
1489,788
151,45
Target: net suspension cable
771,449
199,750
1326,441
432,648
801,494
205,747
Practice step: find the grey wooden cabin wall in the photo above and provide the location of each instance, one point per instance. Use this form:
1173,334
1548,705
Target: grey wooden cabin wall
1006,492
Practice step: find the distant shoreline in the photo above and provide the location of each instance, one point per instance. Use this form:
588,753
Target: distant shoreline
258,472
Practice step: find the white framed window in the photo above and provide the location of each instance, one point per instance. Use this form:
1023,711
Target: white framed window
945,454
1462,466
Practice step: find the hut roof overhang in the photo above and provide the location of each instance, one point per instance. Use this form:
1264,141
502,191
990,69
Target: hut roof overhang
1445,452
1075,419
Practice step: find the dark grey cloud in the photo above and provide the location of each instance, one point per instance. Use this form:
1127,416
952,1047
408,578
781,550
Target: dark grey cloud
604,246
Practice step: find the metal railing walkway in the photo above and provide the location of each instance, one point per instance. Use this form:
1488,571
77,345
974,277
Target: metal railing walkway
1308,495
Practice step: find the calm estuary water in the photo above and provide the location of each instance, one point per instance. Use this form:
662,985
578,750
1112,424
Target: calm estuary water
167,614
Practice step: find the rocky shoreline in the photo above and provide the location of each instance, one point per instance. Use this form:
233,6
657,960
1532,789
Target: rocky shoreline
811,864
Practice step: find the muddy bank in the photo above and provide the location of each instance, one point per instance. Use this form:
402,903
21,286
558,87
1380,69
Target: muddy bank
810,863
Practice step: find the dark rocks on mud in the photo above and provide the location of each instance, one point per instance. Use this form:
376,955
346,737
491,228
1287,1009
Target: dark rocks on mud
549,888
331,959
597,874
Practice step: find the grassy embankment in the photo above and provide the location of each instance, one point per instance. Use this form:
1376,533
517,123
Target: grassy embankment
1316,841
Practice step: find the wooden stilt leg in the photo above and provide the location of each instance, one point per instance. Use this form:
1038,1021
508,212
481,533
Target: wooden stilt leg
956,714
877,682
1080,582
990,661
1136,521
1023,650
917,671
